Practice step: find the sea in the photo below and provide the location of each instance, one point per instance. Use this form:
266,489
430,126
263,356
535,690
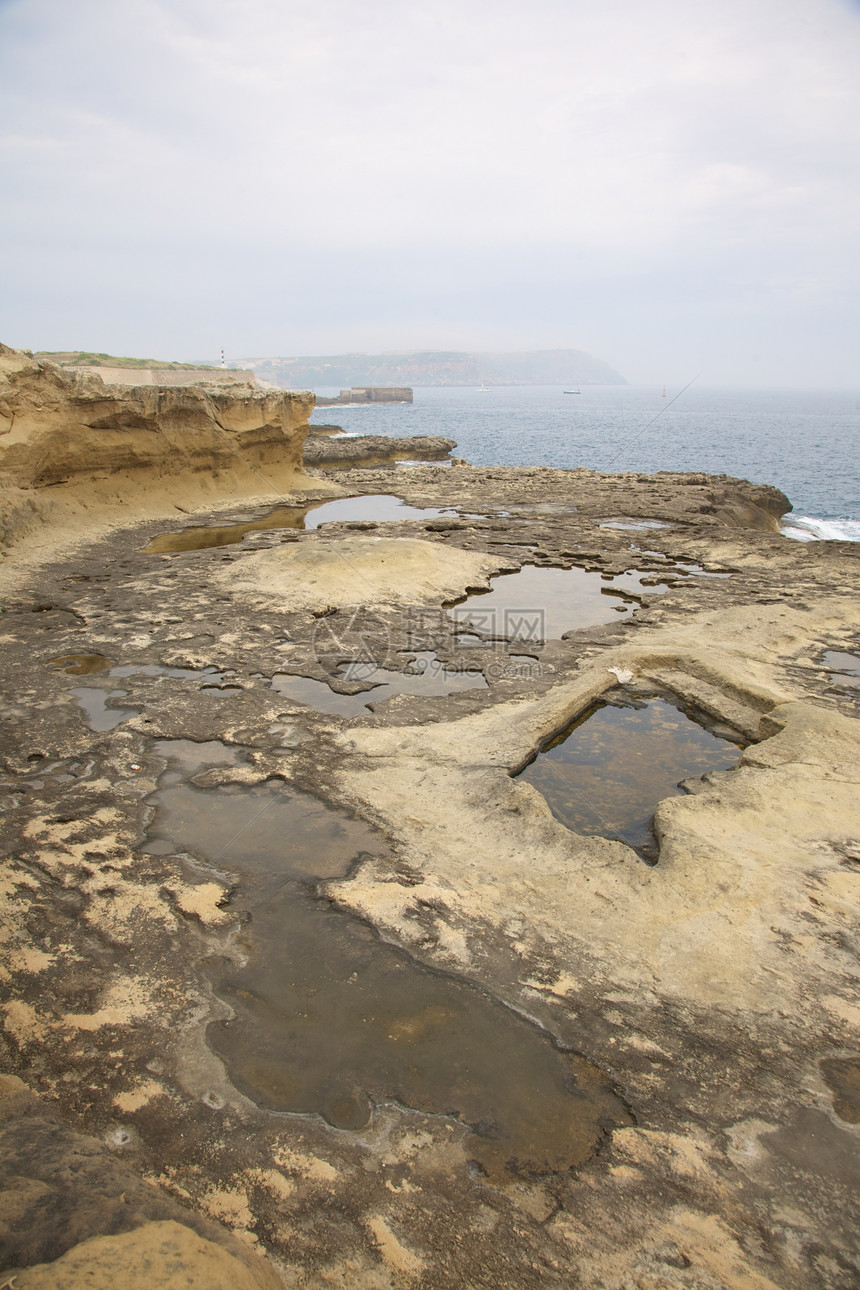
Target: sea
806,443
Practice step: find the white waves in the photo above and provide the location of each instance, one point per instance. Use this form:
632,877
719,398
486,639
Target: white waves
807,528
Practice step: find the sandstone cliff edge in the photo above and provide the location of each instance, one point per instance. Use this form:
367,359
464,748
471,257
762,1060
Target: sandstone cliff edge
69,443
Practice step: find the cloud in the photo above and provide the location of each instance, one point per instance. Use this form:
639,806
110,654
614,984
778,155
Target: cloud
307,156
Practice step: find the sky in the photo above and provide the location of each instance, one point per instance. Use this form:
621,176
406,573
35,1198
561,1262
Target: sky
671,185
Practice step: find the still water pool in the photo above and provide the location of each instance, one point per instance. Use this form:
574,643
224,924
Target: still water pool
378,508
605,773
330,1020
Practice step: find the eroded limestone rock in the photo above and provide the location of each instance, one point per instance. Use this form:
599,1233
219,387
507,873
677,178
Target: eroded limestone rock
322,572
322,450
74,1216
99,447
717,991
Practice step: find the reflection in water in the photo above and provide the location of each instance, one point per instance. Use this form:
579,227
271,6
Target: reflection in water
94,703
81,664
320,695
844,668
330,1020
631,522
376,507
538,604
157,669
94,700
607,771
380,507
427,676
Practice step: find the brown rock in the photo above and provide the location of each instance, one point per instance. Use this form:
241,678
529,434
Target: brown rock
373,449
157,1254
87,1219
94,444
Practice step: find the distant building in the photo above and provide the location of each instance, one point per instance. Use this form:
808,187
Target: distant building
369,394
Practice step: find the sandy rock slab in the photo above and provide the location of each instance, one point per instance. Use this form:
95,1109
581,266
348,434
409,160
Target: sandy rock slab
158,1254
332,573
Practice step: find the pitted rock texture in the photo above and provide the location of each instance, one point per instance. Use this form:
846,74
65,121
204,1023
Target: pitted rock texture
321,572
158,1256
73,1215
717,991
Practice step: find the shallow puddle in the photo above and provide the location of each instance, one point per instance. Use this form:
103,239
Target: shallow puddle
98,715
331,1020
200,537
539,604
844,668
94,701
379,508
157,669
427,676
605,773
81,664
631,522
320,696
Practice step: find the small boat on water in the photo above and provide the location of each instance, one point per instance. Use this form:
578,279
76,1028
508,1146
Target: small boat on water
573,391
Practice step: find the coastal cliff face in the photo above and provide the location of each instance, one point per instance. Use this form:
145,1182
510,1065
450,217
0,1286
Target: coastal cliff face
92,443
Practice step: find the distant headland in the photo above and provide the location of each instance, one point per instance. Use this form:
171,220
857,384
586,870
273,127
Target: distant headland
76,358
436,367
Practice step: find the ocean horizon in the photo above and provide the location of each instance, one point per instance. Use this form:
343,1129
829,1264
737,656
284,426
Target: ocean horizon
805,442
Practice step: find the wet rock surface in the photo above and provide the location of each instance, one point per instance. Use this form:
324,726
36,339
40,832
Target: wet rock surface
368,449
710,1000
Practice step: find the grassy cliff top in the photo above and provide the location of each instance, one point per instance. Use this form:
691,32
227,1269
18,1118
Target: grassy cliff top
82,358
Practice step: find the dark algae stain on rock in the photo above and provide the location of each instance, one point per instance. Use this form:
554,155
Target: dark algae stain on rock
330,1020
842,1076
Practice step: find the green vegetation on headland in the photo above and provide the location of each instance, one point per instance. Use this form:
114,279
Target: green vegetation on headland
83,358
437,367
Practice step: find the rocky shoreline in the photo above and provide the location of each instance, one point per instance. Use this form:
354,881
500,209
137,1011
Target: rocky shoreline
708,1003
323,452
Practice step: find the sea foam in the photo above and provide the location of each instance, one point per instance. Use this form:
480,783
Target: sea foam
807,528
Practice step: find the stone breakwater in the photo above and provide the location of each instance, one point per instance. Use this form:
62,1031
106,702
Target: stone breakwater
707,1006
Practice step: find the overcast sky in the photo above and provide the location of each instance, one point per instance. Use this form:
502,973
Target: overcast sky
669,184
